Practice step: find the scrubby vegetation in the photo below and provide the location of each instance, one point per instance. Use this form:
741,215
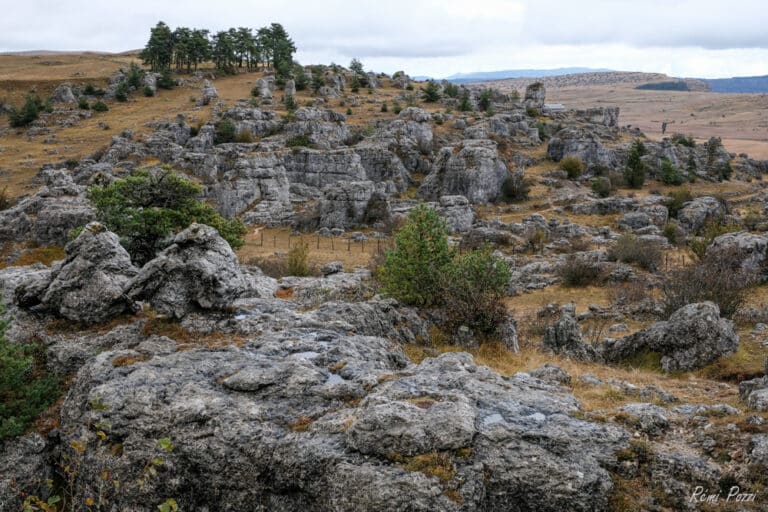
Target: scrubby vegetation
29,112
25,388
148,206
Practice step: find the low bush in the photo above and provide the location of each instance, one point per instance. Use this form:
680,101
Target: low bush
148,91
676,201
602,186
572,166
679,138
165,80
298,260
631,249
25,388
717,277
473,287
578,271
121,93
670,174
299,141
532,112
225,131
516,188
634,172
706,235
28,113
99,106
82,103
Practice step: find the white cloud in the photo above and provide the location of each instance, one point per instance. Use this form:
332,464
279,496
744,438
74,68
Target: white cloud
436,37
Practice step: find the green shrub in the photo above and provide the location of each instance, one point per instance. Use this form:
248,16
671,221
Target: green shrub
577,271
473,286
290,103
165,80
224,132
298,260
148,91
669,173
349,111
121,93
572,166
451,90
712,229
431,92
396,107
25,388
89,90
602,186
465,105
673,233
147,207
676,201
412,271
384,107
679,138
631,249
135,75
82,103
299,141
532,112
485,100
28,113
634,173
99,106
516,188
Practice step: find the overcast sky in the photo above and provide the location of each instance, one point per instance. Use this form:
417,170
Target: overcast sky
702,38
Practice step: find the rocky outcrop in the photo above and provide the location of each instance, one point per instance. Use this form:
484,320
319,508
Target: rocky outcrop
535,95
473,170
347,205
323,128
564,337
332,421
63,94
457,212
49,215
582,144
693,337
198,271
743,249
87,287
247,119
695,214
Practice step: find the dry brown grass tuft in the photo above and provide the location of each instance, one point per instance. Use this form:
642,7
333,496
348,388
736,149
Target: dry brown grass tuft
129,360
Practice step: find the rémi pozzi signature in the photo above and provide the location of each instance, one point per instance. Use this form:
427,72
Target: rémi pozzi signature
735,494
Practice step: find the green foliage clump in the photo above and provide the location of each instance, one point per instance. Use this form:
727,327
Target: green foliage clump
682,140
299,141
602,186
224,132
572,166
669,173
485,100
298,260
431,92
166,80
290,103
82,103
413,270
515,188
384,107
99,106
121,93
676,201
148,91
465,105
25,389
712,229
147,207
634,173
631,249
473,286
397,107
28,113
451,90
134,76
532,112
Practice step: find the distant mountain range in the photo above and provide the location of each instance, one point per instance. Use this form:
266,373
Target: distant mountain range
485,76
750,84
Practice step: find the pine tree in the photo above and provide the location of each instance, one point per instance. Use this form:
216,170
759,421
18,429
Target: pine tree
431,92
158,53
634,173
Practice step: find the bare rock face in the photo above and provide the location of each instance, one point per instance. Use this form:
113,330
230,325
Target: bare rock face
564,337
198,271
695,214
323,128
693,337
63,94
88,285
280,425
535,95
290,88
746,249
582,144
476,172
209,93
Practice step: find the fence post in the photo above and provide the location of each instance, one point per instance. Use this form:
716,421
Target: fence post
362,245
349,244
333,247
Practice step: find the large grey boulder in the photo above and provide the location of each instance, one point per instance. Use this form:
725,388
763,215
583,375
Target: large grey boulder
535,95
693,337
209,93
313,420
323,128
63,94
198,271
473,170
695,214
564,337
743,249
580,143
23,470
457,212
88,286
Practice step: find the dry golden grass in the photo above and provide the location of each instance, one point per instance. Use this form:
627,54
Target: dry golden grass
45,255
129,360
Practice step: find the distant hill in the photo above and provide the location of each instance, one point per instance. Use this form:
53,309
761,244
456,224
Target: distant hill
740,84
485,76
